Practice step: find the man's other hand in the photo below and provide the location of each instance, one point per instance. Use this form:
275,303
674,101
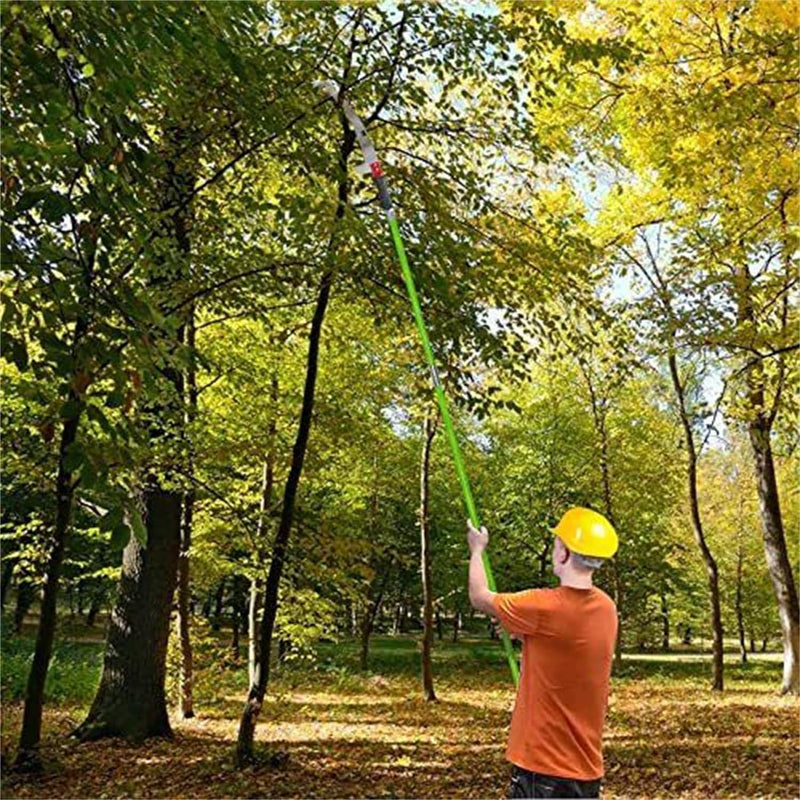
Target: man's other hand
477,539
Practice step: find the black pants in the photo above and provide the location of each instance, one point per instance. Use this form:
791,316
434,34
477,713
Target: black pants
525,783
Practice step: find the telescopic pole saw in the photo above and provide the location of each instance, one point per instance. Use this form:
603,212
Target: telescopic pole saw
372,166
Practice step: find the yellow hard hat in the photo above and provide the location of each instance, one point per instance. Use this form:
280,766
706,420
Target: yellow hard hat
586,532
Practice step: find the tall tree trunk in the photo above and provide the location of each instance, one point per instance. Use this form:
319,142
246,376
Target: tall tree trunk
255,699
780,569
717,682
739,614
256,585
425,550
130,700
456,625
760,432
664,622
186,678
28,754
374,600
258,688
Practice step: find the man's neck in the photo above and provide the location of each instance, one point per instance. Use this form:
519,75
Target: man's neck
577,580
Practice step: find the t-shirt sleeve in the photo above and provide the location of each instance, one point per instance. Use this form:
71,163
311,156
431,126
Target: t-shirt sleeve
519,612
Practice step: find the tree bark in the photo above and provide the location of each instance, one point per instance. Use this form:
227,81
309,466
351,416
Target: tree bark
717,683
425,550
664,622
255,699
130,700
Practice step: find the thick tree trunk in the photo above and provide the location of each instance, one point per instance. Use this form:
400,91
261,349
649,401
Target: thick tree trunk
717,682
739,614
425,551
30,736
664,623
456,625
255,699
130,700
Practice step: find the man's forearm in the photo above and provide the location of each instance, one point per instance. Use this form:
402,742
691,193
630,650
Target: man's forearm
479,593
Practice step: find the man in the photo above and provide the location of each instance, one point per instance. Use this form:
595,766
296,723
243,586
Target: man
568,636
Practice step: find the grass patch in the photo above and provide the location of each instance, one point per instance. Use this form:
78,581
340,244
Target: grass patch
72,678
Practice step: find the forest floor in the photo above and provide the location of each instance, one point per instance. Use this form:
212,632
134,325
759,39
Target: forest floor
328,730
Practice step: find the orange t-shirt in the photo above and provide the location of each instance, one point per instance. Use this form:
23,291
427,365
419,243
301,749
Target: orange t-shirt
567,650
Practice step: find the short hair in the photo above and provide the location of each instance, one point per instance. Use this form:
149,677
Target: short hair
588,563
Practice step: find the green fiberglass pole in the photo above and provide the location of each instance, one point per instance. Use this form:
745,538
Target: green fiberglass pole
373,167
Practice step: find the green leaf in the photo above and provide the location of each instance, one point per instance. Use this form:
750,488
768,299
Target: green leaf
87,71
110,520
30,198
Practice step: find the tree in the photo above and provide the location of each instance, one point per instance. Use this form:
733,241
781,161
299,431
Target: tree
711,153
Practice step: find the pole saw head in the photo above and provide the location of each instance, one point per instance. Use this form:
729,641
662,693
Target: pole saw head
371,165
